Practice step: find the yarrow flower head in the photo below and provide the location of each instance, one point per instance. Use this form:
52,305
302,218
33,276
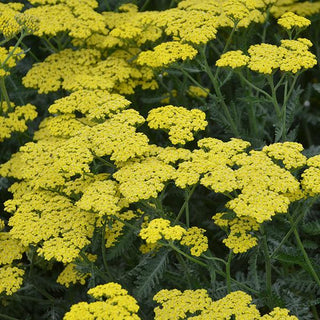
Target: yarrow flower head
175,305
158,229
290,20
166,53
113,303
180,122
11,279
234,59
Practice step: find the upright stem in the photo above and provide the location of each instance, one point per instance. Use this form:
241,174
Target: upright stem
185,204
239,284
216,87
106,2
185,267
267,262
304,253
145,5
4,93
11,53
103,249
285,238
274,97
228,266
187,211
3,316
265,25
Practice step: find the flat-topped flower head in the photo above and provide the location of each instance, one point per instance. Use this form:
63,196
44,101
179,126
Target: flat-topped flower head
166,53
180,122
234,59
113,303
290,20
158,229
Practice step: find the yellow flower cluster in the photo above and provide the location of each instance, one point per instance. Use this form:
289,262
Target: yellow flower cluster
10,249
48,164
289,153
195,239
311,176
195,91
100,197
14,119
51,221
211,163
70,275
113,232
234,59
158,229
117,137
228,12
304,8
191,26
240,238
8,23
290,56
76,18
87,69
113,303
166,53
180,122
198,305
9,58
143,180
289,20
11,279
96,104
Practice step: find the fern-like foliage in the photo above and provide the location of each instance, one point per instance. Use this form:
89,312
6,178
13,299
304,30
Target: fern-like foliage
151,274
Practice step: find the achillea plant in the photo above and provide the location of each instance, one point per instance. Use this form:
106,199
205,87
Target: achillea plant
171,170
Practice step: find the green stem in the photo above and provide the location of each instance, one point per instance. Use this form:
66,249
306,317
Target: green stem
22,35
274,97
185,267
295,223
203,264
103,250
253,86
304,253
45,294
284,114
228,266
187,198
214,259
109,164
25,48
4,93
50,46
97,270
265,25
19,296
287,95
198,84
216,87
106,2
126,223
3,316
146,3
187,211
314,312
239,284
267,262
230,37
